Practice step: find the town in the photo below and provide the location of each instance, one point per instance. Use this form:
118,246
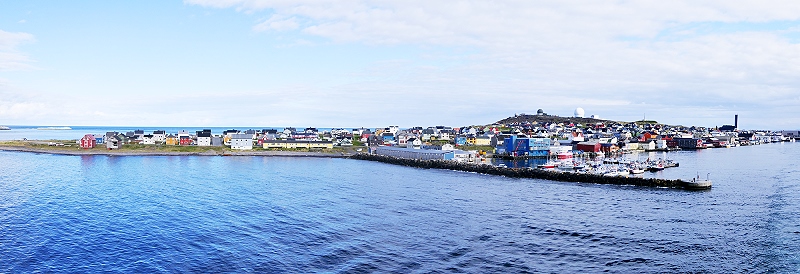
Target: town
520,136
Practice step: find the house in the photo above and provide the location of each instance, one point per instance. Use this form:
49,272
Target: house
461,140
482,141
204,138
88,141
172,140
689,143
388,137
414,143
99,139
242,141
252,133
589,147
159,136
185,140
147,139
113,142
216,141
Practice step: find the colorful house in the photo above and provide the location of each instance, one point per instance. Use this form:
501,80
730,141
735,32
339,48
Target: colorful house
185,140
88,141
172,140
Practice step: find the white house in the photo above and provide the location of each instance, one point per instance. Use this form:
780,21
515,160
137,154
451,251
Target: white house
414,143
147,139
242,141
159,136
204,138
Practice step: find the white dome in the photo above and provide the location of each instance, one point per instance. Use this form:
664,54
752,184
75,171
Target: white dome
579,112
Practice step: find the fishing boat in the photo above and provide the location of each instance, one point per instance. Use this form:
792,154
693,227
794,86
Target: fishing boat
697,183
566,165
564,155
656,167
636,169
549,164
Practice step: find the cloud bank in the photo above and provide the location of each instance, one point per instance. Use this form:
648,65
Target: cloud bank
621,59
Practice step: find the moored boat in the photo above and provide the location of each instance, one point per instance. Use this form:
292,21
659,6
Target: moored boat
549,164
697,183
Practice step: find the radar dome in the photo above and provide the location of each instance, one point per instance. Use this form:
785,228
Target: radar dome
540,111
579,112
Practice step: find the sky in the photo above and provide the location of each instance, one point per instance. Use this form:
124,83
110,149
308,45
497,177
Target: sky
353,63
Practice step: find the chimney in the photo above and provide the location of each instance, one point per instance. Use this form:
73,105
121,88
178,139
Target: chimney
736,121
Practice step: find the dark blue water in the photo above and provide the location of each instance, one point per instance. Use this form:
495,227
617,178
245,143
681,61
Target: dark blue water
299,215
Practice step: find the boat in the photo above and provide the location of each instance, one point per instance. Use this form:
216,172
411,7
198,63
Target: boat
5,128
566,165
54,128
636,170
697,183
654,168
564,155
549,164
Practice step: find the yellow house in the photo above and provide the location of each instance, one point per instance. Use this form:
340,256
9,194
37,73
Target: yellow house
172,140
483,141
296,144
479,141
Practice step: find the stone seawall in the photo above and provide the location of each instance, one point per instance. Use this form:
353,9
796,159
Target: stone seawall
524,172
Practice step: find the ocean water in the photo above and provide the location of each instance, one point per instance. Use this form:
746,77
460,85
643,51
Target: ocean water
145,214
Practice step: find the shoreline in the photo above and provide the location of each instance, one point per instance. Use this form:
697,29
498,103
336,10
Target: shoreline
209,152
527,173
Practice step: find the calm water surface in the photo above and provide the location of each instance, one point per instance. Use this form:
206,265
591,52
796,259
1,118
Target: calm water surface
298,215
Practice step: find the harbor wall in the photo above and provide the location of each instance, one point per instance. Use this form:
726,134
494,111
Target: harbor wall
523,172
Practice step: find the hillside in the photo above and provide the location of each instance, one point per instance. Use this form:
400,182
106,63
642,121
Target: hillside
549,119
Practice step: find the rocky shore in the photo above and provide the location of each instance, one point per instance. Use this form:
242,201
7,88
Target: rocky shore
524,172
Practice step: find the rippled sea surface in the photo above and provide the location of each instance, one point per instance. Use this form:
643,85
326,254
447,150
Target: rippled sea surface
299,215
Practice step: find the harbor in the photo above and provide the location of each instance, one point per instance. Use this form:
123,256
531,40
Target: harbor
616,178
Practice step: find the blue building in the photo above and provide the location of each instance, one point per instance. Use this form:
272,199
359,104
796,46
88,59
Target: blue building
461,140
536,147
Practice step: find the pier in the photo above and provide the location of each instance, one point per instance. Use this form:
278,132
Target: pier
526,172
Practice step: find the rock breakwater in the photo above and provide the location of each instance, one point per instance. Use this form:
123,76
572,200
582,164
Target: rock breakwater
524,172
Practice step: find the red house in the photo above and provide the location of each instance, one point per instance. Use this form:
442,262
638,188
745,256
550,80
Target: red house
185,140
88,141
589,146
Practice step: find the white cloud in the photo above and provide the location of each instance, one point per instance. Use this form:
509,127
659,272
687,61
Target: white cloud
10,57
607,57
277,23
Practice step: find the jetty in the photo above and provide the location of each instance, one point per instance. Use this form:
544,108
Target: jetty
528,172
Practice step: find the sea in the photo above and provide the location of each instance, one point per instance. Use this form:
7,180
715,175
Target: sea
254,214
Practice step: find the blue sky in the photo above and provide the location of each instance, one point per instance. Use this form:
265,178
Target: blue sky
377,63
